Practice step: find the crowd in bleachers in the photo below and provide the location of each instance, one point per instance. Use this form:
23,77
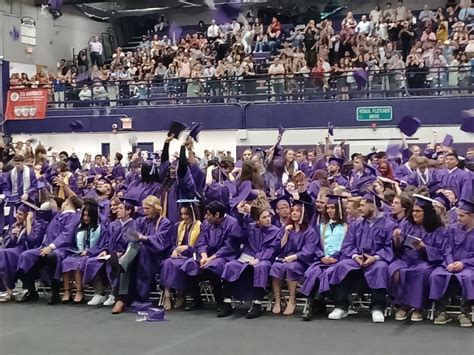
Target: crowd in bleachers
391,49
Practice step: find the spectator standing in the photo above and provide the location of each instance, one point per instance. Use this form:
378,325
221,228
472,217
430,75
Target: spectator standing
59,89
213,31
144,43
277,72
401,12
363,26
426,17
82,62
96,50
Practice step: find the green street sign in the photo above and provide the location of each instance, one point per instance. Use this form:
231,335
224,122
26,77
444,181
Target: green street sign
375,113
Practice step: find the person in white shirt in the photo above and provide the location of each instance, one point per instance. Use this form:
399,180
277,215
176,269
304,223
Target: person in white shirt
96,50
160,71
363,26
85,95
213,31
235,26
277,71
426,15
165,41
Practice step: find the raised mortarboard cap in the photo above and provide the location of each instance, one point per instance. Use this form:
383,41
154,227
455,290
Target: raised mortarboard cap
195,130
467,121
422,201
245,194
441,198
433,187
466,205
281,130
337,161
409,125
77,125
176,129
448,140
330,129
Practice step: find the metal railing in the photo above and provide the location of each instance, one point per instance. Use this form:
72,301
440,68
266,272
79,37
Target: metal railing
261,88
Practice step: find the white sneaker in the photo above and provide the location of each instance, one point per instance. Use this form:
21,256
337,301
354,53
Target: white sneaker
96,300
338,313
377,316
110,301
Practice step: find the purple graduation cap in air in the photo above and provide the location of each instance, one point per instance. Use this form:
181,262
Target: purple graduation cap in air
281,130
468,121
448,140
245,194
195,130
330,129
15,34
409,125
176,129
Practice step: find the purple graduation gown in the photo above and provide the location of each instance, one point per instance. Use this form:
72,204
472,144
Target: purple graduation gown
139,190
183,188
459,247
301,243
260,243
364,236
76,262
118,172
415,267
221,240
152,252
61,232
314,271
172,272
115,240
457,181
13,247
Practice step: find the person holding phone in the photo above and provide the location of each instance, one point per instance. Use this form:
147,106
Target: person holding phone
419,247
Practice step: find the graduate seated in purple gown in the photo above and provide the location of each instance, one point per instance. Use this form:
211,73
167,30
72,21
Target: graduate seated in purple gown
88,235
217,244
419,247
281,208
455,278
401,207
294,254
103,269
326,255
26,233
246,278
185,234
149,246
58,239
453,178
363,265
352,208
334,169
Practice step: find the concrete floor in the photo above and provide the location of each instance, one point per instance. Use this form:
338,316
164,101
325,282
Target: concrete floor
37,329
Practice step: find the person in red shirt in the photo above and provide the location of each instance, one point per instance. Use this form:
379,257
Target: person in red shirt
274,34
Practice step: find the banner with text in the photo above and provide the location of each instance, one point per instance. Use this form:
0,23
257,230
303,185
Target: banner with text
26,104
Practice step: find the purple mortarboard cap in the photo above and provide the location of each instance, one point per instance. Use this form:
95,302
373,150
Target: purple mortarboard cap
245,194
448,140
274,203
356,193
466,205
90,179
422,201
176,129
337,161
308,207
468,121
330,129
129,201
77,125
362,183
409,125
370,169
90,201
14,33
334,199
195,130
360,76
278,152
441,198
433,187
24,208
155,314
370,155
281,130
372,197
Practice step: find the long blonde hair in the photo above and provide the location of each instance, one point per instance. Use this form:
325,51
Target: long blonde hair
153,202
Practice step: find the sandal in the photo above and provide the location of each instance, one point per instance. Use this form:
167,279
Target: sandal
66,300
81,300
